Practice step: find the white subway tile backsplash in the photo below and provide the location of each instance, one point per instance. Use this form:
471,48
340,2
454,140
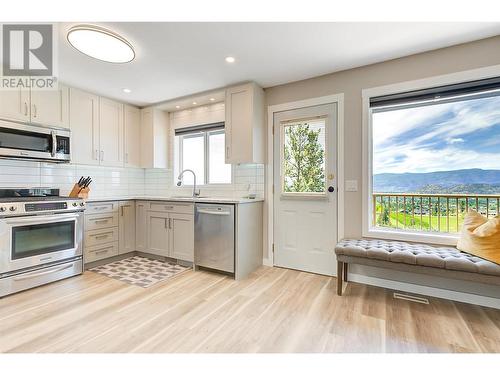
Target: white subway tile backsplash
123,182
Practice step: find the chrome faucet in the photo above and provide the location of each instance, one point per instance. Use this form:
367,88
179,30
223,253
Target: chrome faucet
179,181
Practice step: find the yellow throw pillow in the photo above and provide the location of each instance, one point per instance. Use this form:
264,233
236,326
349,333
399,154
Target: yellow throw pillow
480,236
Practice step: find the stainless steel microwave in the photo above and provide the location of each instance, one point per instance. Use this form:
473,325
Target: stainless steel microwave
26,141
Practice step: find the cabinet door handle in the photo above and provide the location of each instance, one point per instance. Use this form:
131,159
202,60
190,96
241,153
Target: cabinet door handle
102,236
25,109
126,157
105,250
102,155
96,154
170,223
102,221
121,208
34,110
166,226
227,152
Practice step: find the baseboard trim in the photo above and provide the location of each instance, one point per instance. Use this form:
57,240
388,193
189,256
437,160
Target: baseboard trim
474,299
267,262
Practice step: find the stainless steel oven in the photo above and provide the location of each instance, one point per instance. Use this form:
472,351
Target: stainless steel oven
41,238
26,141
36,240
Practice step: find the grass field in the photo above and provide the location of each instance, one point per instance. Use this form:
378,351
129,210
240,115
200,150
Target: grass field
431,224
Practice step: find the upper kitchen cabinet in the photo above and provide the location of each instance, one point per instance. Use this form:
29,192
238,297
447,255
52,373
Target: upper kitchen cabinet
132,131
15,105
110,133
44,107
154,138
245,135
50,107
84,124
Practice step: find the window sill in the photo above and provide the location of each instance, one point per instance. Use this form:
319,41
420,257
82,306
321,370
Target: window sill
422,237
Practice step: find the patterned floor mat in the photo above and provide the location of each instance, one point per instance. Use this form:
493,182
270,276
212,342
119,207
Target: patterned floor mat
140,271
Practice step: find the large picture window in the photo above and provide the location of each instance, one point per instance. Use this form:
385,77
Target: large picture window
435,155
202,150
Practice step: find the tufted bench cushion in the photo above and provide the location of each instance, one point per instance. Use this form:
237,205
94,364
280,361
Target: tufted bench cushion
447,258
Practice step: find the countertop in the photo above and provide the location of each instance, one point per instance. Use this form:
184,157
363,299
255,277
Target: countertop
178,199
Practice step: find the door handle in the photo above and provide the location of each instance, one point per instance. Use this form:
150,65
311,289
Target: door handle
331,189
34,110
209,212
170,223
102,155
54,143
25,109
166,226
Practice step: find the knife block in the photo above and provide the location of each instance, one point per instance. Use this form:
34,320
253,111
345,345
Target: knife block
78,192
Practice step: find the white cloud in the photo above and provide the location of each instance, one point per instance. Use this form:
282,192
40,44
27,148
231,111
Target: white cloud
419,153
452,141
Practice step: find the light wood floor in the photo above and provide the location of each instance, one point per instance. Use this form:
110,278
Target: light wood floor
275,310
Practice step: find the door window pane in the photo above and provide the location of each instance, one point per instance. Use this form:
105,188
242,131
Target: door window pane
193,157
218,171
303,156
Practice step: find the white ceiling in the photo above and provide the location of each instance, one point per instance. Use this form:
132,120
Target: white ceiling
179,59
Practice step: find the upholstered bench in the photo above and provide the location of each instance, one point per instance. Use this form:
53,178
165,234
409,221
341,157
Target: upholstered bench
419,258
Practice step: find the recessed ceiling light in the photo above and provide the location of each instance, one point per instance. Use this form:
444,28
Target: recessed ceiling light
177,106
101,44
212,99
230,59
194,103
127,91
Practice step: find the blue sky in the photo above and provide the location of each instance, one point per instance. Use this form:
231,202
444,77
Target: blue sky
438,137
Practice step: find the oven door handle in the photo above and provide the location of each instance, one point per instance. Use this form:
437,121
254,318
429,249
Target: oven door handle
32,275
40,219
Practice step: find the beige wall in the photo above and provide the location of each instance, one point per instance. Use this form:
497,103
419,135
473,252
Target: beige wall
468,56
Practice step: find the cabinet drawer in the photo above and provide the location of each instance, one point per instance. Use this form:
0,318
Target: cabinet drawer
102,207
101,236
101,221
172,207
99,252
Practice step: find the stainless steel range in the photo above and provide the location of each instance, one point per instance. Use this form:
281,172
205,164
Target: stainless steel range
41,238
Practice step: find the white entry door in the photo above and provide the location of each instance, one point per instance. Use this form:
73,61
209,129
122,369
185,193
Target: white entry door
305,188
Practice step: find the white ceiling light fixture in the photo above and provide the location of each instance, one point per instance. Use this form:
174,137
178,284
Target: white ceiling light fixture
230,59
101,44
194,103
127,91
177,106
212,99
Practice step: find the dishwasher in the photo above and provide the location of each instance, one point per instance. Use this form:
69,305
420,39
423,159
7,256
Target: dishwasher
214,236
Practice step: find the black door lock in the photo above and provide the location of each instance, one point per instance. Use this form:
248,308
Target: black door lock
331,189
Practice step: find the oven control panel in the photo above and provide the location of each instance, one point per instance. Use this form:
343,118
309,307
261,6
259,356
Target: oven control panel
24,208
50,206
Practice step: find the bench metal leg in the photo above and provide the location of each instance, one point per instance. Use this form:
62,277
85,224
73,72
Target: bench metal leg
346,268
340,269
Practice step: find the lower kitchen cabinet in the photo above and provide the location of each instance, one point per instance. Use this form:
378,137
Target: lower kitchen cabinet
140,226
170,230
126,227
157,233
159,228
181,237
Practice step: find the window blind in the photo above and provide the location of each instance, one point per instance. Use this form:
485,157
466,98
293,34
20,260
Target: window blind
200,128
456,92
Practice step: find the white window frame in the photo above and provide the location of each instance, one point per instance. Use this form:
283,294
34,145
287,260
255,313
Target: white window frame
205,134
367,133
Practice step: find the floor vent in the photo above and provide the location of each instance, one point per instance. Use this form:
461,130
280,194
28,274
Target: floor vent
410,298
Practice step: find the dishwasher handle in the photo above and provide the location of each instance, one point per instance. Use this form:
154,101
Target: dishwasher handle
211,212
